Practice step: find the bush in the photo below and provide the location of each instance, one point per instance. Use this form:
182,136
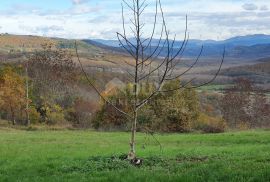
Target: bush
242,126
168,112
109,119
78,118
209,124
55,115
34,116
176,120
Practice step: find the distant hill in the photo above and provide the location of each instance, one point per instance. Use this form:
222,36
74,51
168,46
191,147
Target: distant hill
98,55
111,43
258,73
99,52
94,56
255,51
248,40
247,47
16,43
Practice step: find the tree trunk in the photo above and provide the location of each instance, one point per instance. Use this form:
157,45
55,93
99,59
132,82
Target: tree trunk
14,122
13,119
12,116
132,153
27,97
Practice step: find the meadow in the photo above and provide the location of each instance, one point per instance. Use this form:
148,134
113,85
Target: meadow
96,156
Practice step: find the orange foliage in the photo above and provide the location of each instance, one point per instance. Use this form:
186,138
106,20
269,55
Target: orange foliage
12,93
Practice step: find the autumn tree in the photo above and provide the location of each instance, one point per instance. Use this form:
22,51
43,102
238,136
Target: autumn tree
53,74
244,104
235,103
179,108
12,94
51,69
260,110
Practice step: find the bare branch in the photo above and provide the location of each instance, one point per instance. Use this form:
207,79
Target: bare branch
131,8
216,74
122,45
94,87
206,83
190,67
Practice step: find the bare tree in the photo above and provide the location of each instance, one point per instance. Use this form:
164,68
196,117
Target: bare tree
28,121
158,64
52,70
245,105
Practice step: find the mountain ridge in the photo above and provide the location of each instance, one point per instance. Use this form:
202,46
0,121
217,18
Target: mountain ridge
247,40
249,46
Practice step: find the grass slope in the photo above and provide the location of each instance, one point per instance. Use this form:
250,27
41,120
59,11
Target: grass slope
86,156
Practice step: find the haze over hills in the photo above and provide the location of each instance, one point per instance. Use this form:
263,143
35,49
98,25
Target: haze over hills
247,47
247,40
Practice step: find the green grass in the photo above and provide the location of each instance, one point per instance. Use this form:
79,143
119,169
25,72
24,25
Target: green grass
214,87
87,156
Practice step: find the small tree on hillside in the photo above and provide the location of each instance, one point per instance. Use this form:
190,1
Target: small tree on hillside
261,110
235,103
12,94
245,105
151,63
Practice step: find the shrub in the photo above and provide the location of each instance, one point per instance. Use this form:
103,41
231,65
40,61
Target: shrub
242,126
209,124
55,115
176,120
78,118
168,112
34,116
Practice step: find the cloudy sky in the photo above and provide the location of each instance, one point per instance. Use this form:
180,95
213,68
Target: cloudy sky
207,19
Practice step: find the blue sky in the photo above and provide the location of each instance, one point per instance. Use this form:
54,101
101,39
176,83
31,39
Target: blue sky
207,19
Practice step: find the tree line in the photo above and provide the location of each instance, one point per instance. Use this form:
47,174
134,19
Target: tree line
53,99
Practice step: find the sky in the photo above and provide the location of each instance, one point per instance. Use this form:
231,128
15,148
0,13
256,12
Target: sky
101,19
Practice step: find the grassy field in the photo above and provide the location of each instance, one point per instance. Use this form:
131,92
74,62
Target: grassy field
214,87
88,156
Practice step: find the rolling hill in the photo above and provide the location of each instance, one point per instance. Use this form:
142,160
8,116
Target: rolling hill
258,73
93,56
250,47
100,56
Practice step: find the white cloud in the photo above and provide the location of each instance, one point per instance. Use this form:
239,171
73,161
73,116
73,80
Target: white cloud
264,8
76,2
250,7
82,9
207,19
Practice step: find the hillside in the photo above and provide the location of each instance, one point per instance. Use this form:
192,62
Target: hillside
97,56
92,56
15,43
258,73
